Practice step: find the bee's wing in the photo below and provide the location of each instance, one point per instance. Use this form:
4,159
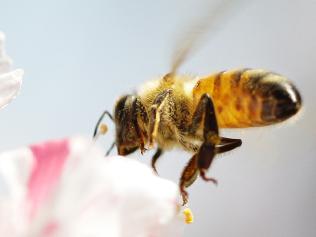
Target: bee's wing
218,12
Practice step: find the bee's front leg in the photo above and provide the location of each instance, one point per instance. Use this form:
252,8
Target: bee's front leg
155,114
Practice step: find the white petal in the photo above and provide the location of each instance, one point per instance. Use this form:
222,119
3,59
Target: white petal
15,167
114,196
5,61
92,195
10,84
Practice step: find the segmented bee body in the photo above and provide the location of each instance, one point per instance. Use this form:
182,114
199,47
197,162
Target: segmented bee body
186,112
249,97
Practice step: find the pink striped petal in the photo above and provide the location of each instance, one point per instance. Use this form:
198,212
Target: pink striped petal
49,161
68,188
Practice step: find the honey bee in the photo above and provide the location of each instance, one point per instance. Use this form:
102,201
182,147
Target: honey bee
188,113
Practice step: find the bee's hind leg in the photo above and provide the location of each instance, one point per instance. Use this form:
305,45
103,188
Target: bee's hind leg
188,176
205,113
213,144
208,150
191,170
227,144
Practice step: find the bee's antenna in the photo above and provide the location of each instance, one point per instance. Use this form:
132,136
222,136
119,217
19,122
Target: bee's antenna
103,129
100,120
110,149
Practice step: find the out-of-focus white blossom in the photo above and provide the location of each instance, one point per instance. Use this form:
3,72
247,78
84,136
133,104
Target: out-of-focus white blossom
68,188
10,81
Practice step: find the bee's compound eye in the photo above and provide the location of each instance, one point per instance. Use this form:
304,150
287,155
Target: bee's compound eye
119,112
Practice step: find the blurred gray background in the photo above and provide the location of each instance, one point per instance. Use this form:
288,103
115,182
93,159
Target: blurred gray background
79,56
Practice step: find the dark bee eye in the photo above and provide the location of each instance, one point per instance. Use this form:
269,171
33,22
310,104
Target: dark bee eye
119,108
129,136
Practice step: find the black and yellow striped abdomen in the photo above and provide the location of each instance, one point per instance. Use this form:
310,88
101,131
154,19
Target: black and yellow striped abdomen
249,97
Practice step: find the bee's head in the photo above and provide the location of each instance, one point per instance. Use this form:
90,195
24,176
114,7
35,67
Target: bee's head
127,139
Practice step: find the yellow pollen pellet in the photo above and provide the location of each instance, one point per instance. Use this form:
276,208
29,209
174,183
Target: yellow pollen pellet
103,129
188,216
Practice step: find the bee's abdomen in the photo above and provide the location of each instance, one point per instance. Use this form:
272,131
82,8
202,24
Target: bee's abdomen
250,97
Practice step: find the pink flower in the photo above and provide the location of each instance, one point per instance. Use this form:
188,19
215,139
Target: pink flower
10,81
68,188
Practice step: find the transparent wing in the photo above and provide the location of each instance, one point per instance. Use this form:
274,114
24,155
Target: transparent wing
218,12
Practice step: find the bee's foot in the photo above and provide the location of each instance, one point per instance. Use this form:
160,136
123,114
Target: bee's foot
185,196
208,179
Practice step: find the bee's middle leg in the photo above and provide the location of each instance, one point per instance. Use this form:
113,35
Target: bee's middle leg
156,156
